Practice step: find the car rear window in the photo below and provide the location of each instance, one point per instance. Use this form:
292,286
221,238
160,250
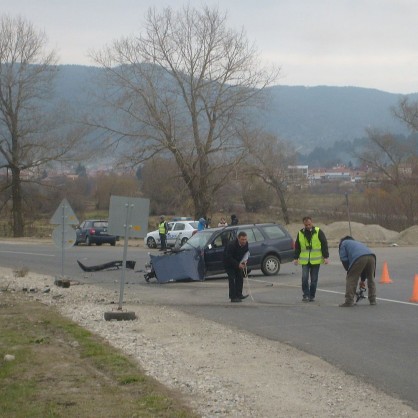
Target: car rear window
273,231
100,224
194,224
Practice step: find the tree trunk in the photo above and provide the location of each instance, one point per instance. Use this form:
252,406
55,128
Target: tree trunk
283,205
18,225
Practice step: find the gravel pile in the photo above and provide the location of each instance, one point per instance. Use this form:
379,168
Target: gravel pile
369,234
199,358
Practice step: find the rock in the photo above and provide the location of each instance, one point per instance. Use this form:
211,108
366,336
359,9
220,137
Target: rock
9,357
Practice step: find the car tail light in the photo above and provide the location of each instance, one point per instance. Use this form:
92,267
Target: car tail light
293,244
92,231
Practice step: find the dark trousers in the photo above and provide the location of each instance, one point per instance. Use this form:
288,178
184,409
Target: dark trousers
363,267
312,270
163,239
235,279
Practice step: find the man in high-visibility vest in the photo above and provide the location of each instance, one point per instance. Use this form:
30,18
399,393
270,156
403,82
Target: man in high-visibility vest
163,229
311,250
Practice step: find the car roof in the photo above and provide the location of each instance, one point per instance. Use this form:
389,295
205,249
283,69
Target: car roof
219,228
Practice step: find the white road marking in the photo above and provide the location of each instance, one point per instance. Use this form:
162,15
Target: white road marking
337,293
19,252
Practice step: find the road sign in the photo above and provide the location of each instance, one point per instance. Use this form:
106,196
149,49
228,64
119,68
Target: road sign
64,215
64,236
138,209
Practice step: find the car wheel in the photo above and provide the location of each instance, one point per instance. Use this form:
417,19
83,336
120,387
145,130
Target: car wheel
151,243
270,265
184,240
98,243
88,241
113,243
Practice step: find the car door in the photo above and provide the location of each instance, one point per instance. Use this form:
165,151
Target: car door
214,252
82,230
255,245
175,232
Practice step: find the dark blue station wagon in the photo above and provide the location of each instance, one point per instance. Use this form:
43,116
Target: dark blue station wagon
270,245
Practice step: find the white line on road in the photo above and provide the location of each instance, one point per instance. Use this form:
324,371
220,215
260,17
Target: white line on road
337,293
19,252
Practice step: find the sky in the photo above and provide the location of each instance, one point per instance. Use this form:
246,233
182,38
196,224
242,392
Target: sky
362,43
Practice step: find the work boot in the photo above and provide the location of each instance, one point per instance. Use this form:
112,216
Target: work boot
372,301
346,305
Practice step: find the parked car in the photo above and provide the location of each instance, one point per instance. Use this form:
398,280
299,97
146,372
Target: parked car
179,231
94,231
270,245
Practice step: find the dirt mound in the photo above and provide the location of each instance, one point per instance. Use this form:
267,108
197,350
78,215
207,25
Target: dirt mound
408,236
371,234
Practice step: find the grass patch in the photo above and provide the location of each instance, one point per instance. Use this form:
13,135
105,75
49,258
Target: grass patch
63,370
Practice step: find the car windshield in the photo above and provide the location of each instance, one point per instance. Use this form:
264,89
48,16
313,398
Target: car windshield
198,240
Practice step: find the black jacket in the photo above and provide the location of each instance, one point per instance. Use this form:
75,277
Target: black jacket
233,254
308,235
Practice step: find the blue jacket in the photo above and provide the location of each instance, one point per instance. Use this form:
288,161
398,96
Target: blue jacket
350,250
202,224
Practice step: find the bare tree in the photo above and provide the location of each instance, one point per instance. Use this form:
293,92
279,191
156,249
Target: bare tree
395,161
269,159
408,113
31,135
183,88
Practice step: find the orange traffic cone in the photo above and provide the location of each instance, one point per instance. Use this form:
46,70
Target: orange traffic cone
385,274
414,297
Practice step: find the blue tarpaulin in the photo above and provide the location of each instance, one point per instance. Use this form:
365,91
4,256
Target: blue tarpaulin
184,265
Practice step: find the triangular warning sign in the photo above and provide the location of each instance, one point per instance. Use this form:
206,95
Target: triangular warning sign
64,215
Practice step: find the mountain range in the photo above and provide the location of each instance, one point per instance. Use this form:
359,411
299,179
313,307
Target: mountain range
306,116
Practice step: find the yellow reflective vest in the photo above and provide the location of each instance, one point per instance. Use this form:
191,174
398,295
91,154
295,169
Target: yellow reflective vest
162,229
310,252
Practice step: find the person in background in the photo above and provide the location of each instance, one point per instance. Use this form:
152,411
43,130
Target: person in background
163,230
234,266
222,222
358,261
311,250
234,220
201,225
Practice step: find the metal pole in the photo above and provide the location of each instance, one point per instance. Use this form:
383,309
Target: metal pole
62,242
127,226
348,213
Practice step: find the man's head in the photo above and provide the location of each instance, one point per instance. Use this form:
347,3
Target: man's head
347,237
162,217
307,221
242,238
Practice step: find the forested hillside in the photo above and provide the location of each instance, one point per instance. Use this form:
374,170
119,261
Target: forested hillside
307,116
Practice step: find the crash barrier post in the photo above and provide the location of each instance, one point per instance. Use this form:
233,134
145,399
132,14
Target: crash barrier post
385,279
414,297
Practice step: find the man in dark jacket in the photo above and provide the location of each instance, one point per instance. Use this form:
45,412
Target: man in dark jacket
311,250
235,262
359,261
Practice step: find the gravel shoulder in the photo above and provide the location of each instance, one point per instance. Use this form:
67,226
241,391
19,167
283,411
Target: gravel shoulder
222,371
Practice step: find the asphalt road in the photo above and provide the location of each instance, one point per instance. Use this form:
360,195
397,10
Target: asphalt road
377,343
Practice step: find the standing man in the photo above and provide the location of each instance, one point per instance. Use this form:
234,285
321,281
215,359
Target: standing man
311,250
163,229
234,265
359,261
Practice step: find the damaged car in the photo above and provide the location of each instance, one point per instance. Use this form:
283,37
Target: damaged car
270,245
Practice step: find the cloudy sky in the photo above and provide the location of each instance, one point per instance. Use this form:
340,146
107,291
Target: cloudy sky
364,43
